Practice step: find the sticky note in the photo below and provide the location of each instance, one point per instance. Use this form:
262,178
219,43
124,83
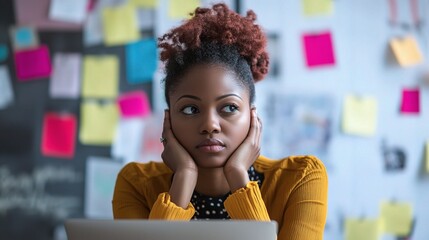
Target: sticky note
134,104
100,76
359,229
4,52
128,140
427,157
33,64
24,37
178,9
98,123
145,3
100,181
141,61
317,7
410,101
407,51
319,49
397,218
65,80
36,14
68,10
120,25
359,115
6,91
59,135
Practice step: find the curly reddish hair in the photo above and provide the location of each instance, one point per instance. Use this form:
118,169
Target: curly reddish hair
222,26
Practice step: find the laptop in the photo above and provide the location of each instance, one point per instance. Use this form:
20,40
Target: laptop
90,229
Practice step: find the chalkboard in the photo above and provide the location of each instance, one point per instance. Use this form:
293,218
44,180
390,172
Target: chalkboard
36,192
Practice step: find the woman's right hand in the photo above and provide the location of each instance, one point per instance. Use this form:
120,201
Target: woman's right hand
175,155
181,163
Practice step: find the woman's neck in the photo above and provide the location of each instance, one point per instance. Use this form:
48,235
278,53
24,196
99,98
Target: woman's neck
212,182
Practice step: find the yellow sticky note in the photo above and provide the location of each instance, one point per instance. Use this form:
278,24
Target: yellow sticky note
145,3
317,7
359,229
120,25
406,51
397,218
98,123
179,9
100,76
427,157
359,115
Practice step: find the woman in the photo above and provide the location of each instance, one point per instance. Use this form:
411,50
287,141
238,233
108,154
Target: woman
211,164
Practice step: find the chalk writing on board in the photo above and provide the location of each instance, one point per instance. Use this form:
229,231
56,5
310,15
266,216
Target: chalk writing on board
27,191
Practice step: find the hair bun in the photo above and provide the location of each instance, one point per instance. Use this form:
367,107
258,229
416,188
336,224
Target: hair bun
222,25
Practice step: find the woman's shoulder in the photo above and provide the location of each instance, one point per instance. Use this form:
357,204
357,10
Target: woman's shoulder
299,163
135,171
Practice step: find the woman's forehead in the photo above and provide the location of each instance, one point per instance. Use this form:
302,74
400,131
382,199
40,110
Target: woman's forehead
209,81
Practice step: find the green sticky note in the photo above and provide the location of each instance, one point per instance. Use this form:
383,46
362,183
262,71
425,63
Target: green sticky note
179,9
100,76
397,218
363,229
317,7
98,123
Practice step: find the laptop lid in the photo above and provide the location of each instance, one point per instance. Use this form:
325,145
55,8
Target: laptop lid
90,229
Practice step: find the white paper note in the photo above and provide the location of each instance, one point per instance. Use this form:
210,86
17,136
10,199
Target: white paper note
100,181
6,91
127,143
65,81
73,11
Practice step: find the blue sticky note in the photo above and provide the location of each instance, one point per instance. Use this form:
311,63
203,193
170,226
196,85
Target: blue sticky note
3,52
141,60
24,36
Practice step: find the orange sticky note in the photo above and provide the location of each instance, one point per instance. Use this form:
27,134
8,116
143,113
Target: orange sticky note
406,51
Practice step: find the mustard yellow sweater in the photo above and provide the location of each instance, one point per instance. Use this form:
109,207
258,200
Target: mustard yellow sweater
293,193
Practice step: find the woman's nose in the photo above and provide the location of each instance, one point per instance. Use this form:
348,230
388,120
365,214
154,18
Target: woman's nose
210,123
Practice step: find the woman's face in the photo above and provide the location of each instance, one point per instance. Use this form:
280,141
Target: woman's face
210,114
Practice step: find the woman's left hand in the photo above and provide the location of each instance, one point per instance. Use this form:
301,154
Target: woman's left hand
244,156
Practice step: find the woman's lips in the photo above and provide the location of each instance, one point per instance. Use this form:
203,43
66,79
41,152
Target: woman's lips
211,145
212,148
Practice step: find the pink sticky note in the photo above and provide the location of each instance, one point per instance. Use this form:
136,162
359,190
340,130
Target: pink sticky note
319,49
410,101
134,104
59,134
33,63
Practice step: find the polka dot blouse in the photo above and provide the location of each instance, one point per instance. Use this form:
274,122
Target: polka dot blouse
207,208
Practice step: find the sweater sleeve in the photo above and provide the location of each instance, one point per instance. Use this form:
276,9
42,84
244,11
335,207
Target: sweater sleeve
247,203
306,209
165,209
130,200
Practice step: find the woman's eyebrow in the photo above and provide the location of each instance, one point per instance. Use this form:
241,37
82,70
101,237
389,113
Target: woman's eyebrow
189,96
217,99
228,95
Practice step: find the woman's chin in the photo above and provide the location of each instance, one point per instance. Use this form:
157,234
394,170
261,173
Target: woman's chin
211,162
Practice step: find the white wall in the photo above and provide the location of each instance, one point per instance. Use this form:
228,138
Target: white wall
357,180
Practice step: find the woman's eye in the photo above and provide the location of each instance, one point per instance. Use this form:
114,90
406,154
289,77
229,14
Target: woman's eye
230,108
190,110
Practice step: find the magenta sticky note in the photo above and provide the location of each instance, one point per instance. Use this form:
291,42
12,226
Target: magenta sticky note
410,101
319,50
59,134
134,104
33,63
